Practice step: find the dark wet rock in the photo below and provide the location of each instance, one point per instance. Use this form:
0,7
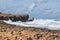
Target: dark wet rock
24,17
0,12
14,17
31,19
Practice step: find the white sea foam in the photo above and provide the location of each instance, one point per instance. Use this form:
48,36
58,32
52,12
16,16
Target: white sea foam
39,23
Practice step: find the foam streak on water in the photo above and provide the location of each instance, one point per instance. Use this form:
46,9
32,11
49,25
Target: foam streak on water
39,23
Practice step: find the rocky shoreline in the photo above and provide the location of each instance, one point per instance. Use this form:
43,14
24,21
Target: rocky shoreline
14,17
13,32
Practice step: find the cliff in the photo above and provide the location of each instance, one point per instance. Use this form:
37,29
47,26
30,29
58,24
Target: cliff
14,17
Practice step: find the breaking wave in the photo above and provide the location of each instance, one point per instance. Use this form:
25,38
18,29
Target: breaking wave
38,23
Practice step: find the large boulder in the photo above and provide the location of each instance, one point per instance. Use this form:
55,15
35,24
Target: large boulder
0,12
14,17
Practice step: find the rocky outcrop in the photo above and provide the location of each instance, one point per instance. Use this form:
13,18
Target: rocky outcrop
14,17
0,13
32,19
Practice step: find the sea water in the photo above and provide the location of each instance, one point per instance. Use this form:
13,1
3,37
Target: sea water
50,24
45,12
40,9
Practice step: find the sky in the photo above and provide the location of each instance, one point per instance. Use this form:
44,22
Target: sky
39,9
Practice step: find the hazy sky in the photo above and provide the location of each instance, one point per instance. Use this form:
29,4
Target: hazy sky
49,9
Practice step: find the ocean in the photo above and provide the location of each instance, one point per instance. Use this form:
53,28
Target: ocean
39,9
45,12
50,24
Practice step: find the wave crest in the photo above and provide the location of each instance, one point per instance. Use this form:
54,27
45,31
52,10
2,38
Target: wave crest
50,24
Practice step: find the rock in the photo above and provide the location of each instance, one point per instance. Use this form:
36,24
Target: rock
14,17
31,19
23,17
23,33
0,12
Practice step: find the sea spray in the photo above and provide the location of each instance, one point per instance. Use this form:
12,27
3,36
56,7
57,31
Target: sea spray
50,24
33,5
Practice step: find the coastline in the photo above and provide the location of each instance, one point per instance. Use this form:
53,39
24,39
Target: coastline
12,32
